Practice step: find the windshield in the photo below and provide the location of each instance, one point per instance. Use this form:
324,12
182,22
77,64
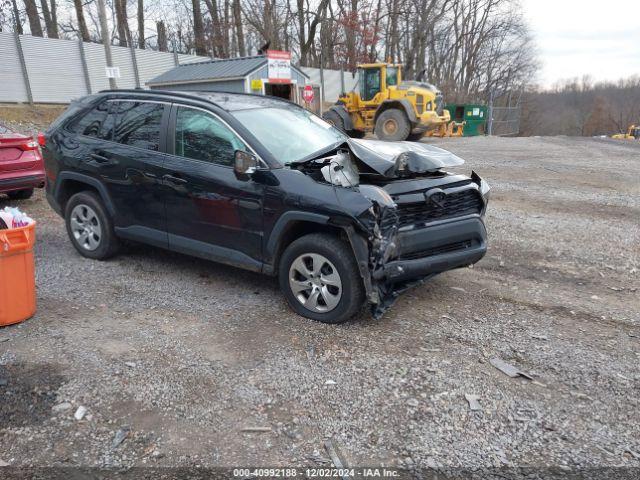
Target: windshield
290,134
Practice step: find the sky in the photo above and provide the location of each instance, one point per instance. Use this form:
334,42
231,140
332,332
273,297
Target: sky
585,37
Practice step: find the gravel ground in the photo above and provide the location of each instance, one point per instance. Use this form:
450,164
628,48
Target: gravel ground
182,355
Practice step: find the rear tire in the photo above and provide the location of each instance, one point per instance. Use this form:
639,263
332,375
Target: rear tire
21,194
321,264
392,125
90,227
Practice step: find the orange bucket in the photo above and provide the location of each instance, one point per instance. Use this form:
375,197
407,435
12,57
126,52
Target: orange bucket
17,274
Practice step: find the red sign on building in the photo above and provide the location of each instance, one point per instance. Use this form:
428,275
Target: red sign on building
279,66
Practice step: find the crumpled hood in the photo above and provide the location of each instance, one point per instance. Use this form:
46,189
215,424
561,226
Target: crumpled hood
393,159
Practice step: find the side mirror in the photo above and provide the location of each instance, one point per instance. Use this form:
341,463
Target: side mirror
245,163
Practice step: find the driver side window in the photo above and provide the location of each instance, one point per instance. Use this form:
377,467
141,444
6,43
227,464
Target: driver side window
201,136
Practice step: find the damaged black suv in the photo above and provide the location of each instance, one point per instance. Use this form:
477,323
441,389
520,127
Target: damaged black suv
262,184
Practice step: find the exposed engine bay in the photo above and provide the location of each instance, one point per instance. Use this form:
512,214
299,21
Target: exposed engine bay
405,182
376,158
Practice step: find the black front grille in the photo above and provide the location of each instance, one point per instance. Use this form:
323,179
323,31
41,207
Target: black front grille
451,247
455,204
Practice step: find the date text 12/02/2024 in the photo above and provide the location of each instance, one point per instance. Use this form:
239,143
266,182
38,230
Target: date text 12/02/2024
286,473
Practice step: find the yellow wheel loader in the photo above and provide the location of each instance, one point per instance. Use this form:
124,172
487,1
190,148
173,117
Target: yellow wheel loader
632,133
385,105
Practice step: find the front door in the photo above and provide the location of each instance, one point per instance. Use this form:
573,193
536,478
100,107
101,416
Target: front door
210,212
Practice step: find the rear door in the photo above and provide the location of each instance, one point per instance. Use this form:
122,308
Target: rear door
210,212
129,161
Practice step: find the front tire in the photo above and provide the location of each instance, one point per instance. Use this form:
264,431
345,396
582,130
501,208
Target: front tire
392,125
90,227
319,277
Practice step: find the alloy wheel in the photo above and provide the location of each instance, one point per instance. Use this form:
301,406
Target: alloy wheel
85,226
315,282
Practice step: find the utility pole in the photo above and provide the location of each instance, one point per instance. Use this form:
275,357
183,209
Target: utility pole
490,114
106,41
321,84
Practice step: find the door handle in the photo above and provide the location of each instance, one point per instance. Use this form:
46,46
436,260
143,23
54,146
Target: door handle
174,179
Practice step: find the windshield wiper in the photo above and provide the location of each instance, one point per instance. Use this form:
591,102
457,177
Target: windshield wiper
318,153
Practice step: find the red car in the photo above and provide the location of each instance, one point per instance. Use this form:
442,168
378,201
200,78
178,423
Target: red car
21,165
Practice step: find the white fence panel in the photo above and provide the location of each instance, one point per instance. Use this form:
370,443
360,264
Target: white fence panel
52,66
94,53
56,73
12,86
183,58
151,64
122,58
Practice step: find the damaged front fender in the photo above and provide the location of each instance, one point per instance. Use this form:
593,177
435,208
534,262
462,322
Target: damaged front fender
374,244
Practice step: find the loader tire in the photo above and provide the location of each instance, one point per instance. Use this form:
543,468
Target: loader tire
392,125
334,119
415,137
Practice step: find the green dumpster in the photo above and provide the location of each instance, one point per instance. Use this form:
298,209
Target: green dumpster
474,115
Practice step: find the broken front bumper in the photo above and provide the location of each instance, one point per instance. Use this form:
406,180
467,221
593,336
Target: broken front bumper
436,249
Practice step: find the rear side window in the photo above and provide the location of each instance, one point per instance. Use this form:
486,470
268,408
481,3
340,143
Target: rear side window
90,124
138,124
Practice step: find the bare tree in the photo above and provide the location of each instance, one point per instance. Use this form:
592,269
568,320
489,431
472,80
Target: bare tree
34,17
82,23
50,18
162,36
16,18
198,29
122,22
237,19
141,24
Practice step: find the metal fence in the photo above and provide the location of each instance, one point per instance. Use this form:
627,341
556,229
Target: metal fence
504,121
49,70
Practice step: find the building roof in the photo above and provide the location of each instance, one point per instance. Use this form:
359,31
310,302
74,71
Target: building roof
226,68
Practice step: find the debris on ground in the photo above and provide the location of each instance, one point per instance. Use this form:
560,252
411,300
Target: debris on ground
633,453
120,436
130,364
3,382
61,407
256,429
508,369
474,405
536,336
330,382
3,463
580,395
317,458
336,457
80,413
